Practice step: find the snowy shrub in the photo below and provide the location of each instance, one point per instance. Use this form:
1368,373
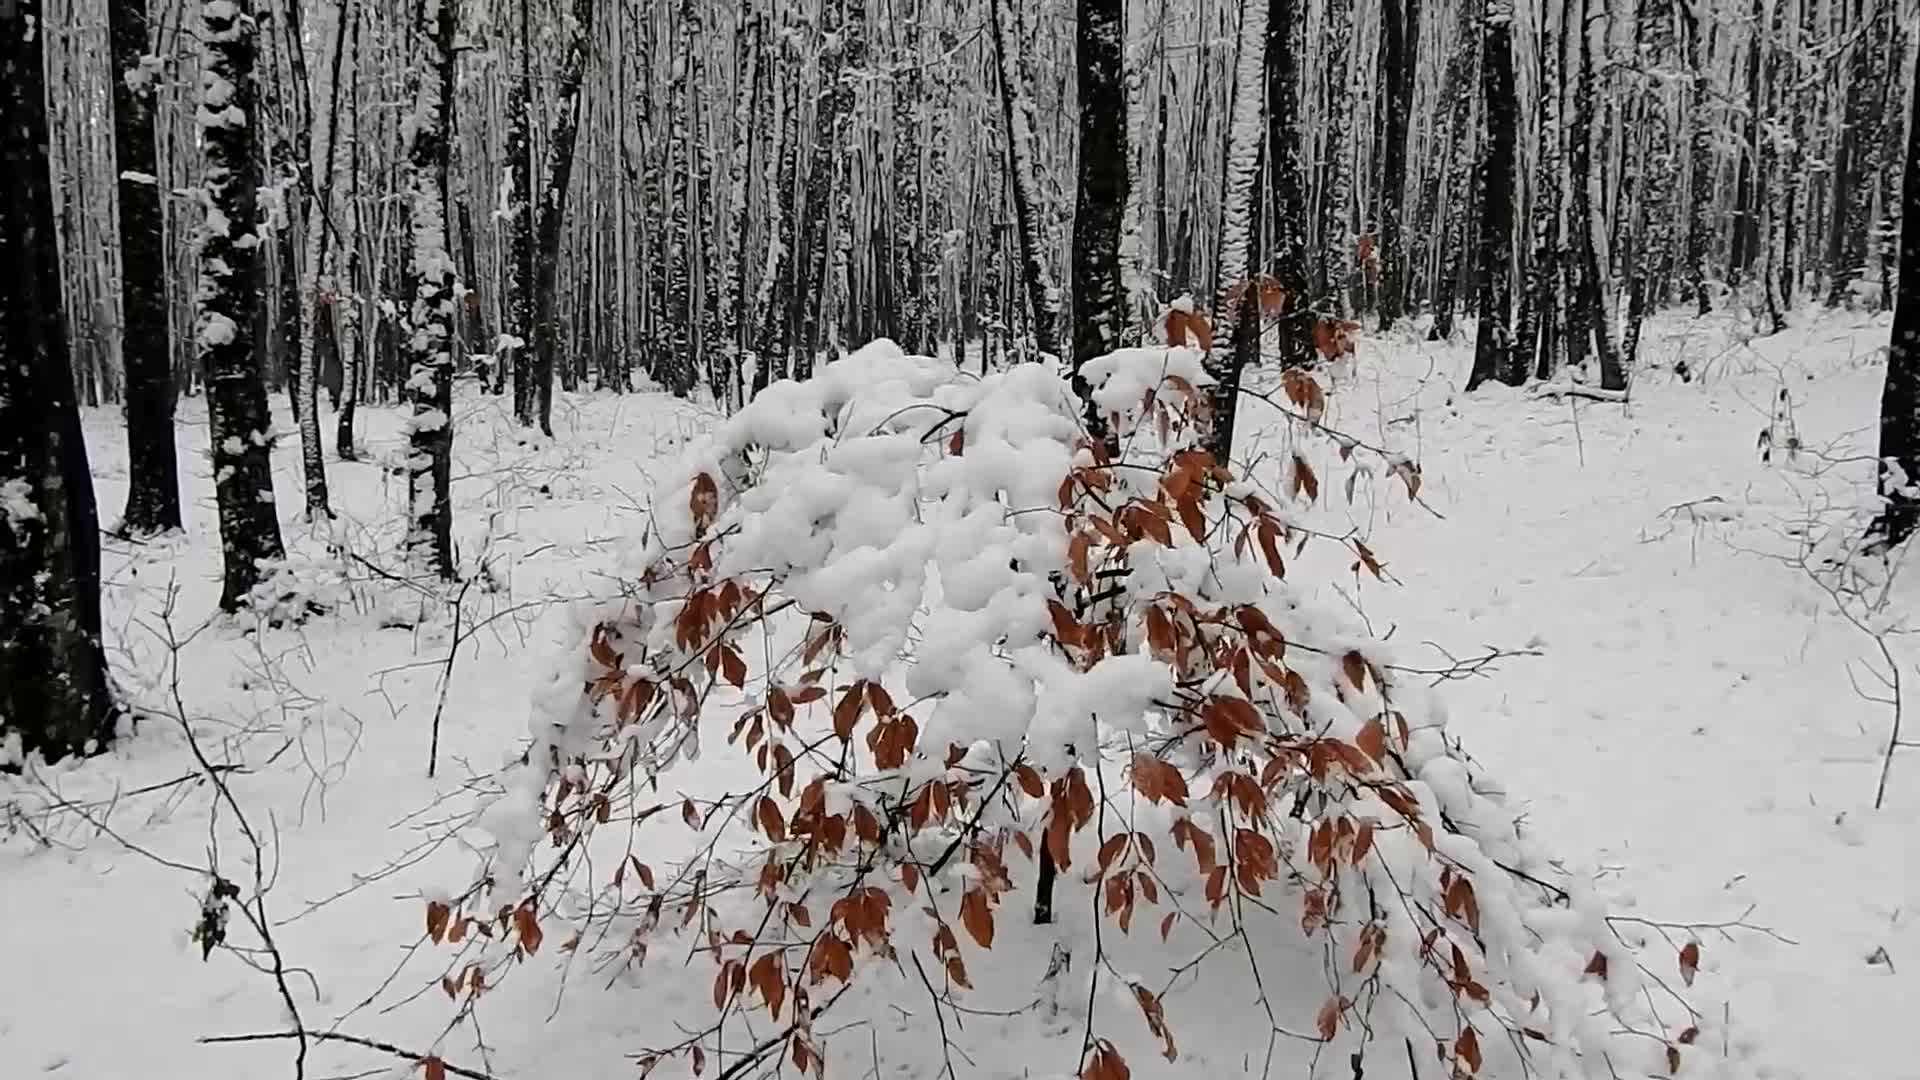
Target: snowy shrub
955,647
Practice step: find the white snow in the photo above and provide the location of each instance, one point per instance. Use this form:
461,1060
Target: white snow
16,503
1690,731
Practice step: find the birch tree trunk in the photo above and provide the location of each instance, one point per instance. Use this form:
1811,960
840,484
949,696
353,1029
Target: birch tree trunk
55,699
1042,296
1237,342
429,389
324,153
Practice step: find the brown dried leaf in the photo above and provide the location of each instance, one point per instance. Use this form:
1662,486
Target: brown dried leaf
1373,740
1689,961
527,923
977,917
1304,479
1328,1021
1355,667
1597,966
1467,1049
704,503
847,712
437,914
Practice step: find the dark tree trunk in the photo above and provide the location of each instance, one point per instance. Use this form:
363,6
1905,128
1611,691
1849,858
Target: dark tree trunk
1286,173
153,494
1100,301
1535,344
1462,76
1491,351
908,278
54,692
1335,265
1866,97
846,41
429,388
1700,166
473,324
230,300
517,311
352,348
1900,400
1593,300
553,210
1888,231
1773,196
1647,290
1401,29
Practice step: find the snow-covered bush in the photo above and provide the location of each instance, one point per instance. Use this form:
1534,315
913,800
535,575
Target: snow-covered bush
954,645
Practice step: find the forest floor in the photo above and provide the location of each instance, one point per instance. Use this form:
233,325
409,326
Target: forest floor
1689,715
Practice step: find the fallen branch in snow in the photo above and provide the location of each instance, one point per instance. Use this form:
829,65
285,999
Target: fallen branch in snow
1562,389
429,1060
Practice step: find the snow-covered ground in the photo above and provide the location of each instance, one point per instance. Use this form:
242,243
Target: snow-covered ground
1679,703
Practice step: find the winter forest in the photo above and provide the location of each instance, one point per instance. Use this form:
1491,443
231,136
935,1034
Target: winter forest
729,538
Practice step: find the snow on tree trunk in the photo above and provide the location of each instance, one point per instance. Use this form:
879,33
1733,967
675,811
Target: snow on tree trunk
55,699
1586,226
1016,111
1286,174
908,277
352,351
153,492
1661,169
772,299
231,280
843,46
1900,399
430,323
1462,77
1771,198
1866,100
325,156
746,118
1336,256
1100,298
1491,350
1700,164
1535,343
515,346
1887,235
1238,298
553,210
